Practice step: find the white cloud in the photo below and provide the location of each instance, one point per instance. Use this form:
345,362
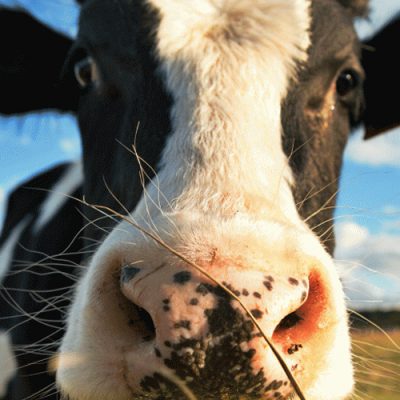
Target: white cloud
70,146
391,219
369,265
393,225
391,209
384,150
351,235
25,140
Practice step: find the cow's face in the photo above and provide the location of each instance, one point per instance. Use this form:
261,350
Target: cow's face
208,89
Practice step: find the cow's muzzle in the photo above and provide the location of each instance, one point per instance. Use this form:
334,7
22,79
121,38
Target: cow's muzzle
199,332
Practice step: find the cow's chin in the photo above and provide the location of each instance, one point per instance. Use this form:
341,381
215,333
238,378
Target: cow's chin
117,347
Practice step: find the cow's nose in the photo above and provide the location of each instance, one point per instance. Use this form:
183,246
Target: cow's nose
203,335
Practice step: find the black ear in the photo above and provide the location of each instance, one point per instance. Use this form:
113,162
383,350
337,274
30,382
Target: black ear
358,8
382,85
31,60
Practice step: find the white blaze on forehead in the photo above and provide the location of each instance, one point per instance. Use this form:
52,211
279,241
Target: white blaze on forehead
227,65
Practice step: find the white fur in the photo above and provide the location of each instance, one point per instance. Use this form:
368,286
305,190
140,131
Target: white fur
225,185
227,64
95,349
7,250
8,364
58,195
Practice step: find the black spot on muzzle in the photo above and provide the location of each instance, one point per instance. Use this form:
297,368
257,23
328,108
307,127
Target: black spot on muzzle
214,366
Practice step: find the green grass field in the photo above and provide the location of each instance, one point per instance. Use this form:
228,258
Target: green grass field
377,365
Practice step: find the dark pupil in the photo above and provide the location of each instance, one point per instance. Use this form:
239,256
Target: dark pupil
83,71
346,82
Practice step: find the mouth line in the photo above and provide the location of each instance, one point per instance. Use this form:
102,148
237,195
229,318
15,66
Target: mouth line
166,386
186,375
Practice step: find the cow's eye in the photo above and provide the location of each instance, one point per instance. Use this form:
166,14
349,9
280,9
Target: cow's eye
347,81
86,72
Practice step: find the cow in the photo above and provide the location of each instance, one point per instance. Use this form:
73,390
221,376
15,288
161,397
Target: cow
30,82
40,253
214,130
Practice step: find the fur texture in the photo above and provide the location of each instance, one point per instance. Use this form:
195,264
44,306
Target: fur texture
221,61
222,198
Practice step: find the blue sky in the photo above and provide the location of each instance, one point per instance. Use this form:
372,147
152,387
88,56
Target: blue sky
368,215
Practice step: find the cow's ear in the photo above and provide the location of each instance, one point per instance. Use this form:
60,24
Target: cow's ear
359,8
382,84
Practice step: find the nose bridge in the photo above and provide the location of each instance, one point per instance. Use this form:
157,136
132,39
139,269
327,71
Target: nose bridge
227,66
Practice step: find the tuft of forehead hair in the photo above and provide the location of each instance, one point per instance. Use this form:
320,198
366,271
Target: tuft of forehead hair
359,8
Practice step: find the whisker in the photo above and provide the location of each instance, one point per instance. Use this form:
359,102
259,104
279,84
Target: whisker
159,241
178,383
322,207
47,390
388,337
375,346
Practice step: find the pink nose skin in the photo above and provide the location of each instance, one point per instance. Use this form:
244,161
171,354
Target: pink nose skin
203,336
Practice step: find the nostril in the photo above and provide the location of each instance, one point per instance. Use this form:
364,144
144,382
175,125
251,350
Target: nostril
148,322
288,322
301,324
293,328
138,317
